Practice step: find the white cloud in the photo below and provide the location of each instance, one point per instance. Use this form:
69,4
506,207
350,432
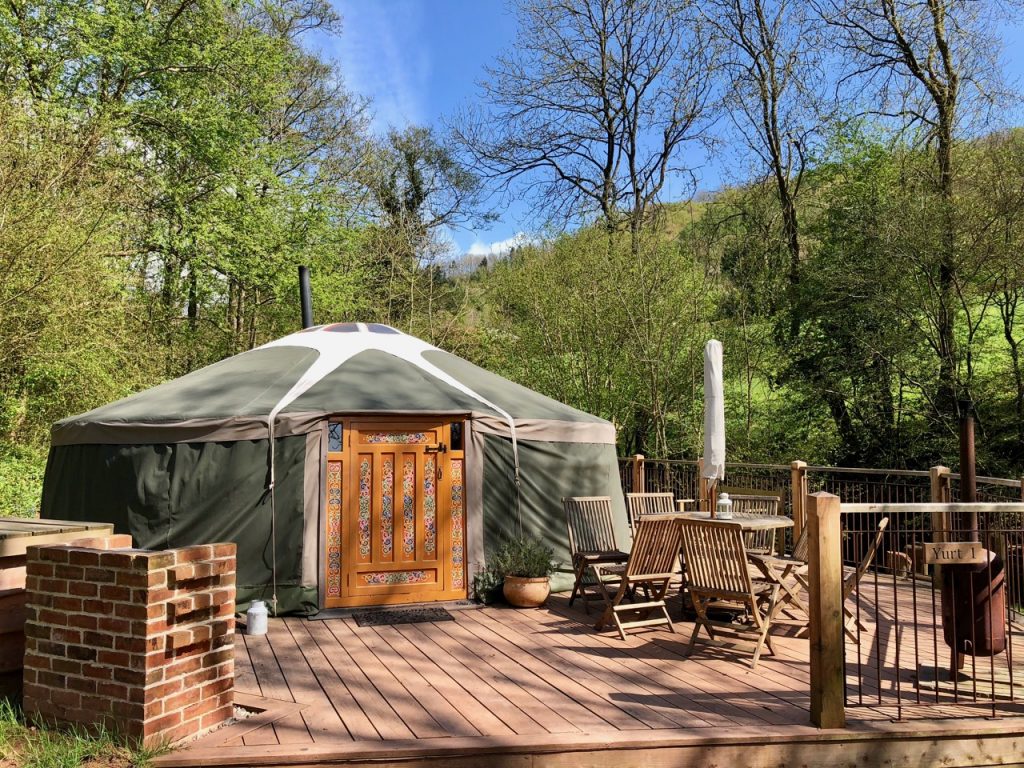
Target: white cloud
499,247
383,55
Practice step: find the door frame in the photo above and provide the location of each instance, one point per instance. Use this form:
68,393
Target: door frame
444,506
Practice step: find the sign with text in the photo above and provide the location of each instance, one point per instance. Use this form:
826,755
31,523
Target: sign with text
955,552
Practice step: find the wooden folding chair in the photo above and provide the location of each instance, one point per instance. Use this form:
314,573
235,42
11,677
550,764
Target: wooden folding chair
754,501
790,573
640,504
591,539
716,572
651,564
850,581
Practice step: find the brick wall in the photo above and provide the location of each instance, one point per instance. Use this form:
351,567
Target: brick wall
139,642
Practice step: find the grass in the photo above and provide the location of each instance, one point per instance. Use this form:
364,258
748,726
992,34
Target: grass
27,746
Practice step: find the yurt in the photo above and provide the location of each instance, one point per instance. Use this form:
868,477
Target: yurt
353,465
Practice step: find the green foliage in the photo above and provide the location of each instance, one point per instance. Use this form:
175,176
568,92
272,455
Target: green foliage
522,556
45,747
21,479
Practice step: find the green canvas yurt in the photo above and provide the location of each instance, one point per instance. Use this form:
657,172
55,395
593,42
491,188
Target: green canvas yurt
351,463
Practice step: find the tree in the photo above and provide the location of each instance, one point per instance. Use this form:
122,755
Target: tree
771,61
418,189
930,64
592,109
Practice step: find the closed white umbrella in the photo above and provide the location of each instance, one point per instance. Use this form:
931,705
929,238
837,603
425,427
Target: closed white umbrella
714,414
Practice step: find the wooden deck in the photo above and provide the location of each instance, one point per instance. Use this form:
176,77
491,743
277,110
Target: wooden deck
500,686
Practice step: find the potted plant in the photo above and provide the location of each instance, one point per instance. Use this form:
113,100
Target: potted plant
525,564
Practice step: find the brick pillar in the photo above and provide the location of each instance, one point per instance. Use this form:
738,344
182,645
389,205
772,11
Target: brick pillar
139,642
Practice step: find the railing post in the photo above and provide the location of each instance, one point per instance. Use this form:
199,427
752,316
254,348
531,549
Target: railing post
941,494
797,492
825,600
639,479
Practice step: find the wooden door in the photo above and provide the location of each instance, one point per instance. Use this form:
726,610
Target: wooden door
401,520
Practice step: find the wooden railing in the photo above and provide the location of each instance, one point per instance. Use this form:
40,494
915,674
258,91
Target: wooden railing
854,485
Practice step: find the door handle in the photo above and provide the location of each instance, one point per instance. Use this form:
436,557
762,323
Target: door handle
439,448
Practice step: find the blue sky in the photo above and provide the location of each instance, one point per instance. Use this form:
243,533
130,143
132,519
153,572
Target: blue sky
420,60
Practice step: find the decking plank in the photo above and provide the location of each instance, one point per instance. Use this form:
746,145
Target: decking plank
337,691
535,685
271,684
669,709
582,691
520,710
719,682
411,712
651,678
321,720
421,681
376,708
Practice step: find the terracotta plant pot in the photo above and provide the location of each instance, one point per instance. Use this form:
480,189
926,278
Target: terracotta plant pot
526,593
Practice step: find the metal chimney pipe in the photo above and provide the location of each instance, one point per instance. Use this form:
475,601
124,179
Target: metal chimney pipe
968,477
305,298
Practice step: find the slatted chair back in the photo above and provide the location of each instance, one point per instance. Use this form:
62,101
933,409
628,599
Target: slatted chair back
716,558
642,504
853,578
801,549
589,523
656,546
754,501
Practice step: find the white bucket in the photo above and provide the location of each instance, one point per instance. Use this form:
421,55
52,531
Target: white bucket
256,618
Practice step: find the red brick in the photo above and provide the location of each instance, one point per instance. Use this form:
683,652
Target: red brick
162,723
200,708
50,648
119,559
81,684
101,575
135,612
111,592
183,666
113,658
82,621
216,717
51,617
97,607
163,690
214,658
50,553
182,700
69,604
202,676
97,672
129,676
67,666
55,586
65,698
81,653
35,661
39,568
32,583
84,557
133,579
61,571
114,625
226,549
98,639
198,552
112,690
138,644
83,588
61,635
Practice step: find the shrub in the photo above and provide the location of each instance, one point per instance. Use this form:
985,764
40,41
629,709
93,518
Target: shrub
523,556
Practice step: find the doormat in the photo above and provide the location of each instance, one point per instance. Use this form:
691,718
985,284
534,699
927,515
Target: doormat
402,616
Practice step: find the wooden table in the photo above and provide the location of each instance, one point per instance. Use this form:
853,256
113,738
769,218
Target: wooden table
747,521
